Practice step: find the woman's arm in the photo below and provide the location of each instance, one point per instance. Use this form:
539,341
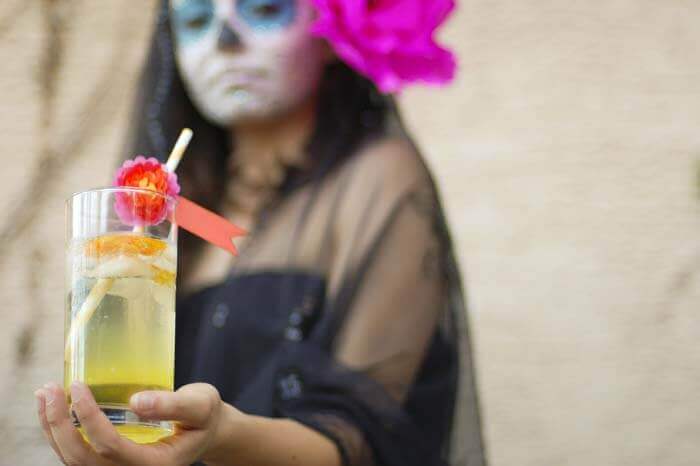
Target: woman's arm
245,440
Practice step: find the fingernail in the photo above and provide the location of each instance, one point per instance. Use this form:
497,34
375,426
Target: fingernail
48,396
40,400
143,401
78,390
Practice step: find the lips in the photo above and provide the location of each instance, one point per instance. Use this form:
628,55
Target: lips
237,77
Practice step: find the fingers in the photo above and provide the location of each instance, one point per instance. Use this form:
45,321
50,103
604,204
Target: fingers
73,449
45,428
104,438
193,405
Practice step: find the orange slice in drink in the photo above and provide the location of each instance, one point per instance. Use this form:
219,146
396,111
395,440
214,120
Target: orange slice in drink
162,276
124,244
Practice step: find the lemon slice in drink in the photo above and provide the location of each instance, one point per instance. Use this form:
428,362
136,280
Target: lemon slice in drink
129,245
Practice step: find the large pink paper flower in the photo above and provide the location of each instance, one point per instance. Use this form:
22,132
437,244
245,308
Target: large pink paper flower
389,41
142,209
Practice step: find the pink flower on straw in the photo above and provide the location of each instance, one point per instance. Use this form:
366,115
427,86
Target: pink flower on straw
389,41
145,209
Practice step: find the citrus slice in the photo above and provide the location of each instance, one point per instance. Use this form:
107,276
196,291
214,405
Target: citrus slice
162,276
124,244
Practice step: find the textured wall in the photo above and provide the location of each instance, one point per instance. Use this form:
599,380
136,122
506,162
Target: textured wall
568,155
68,69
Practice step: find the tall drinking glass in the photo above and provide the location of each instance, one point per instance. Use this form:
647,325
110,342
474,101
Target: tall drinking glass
120,304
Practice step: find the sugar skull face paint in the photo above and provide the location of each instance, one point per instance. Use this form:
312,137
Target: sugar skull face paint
246,60
192,19
266,14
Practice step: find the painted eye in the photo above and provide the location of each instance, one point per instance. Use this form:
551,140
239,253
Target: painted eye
267,14
192,18
267,10
197,22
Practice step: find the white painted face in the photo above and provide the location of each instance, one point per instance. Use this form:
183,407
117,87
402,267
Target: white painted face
246,60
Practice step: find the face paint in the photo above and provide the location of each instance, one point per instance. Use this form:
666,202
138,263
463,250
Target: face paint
273,66
266,14
192,18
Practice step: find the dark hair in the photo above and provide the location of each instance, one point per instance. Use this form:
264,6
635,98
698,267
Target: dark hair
350,112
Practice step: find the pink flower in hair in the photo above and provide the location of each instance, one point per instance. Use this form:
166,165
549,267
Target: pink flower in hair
143,209
389,41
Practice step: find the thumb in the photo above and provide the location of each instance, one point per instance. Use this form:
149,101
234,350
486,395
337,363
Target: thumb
192,405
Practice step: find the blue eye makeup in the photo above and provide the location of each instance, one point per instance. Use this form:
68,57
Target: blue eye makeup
192,19
267,14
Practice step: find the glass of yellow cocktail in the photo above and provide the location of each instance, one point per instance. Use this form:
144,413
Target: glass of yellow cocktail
120,304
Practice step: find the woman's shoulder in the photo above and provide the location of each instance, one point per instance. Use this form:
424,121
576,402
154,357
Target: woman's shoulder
392,162
379,179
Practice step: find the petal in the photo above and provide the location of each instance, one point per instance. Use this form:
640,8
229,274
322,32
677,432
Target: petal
352,14
173,185
436,67
437,11
153,161
397,15
351,56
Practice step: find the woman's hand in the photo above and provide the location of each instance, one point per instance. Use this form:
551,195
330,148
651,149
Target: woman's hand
196,408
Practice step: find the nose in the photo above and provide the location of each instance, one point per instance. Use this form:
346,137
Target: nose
228,38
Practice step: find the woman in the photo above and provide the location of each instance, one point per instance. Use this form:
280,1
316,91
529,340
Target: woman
338,336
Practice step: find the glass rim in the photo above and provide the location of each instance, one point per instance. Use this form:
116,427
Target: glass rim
121,189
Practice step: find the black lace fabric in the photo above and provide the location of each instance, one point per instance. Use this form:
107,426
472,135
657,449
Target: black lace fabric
345,313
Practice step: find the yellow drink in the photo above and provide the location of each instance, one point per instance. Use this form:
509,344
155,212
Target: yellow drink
126,342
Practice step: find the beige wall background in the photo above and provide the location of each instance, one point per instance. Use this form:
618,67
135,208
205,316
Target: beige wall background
568,152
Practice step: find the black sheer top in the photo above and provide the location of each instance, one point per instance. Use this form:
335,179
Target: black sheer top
345,313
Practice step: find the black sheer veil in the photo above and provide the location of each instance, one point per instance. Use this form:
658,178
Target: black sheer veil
388,365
